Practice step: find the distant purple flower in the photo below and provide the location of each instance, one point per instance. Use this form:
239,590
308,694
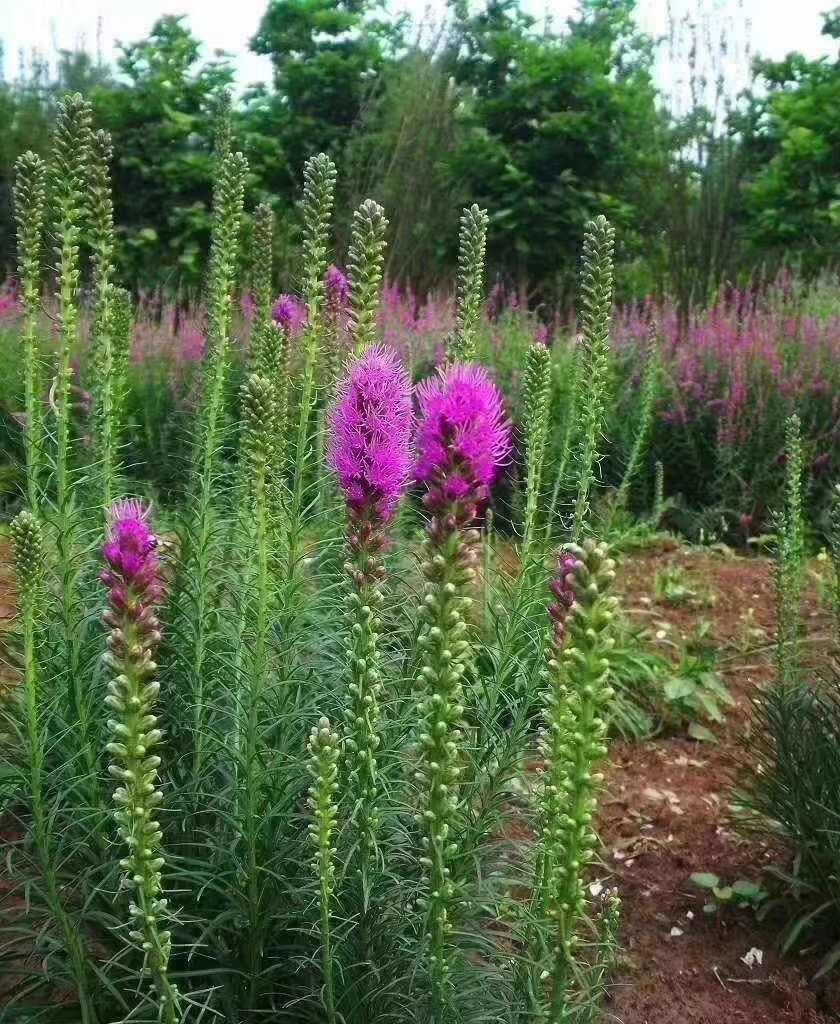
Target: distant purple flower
543,335
290,314
132,575
338,286
463,438
370,447
248,305
562,586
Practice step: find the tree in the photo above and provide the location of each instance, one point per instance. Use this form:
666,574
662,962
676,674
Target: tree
792,142
561,127
327,56
161,119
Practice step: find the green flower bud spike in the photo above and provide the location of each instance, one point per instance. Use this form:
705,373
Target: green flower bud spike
472,245
366,259
596,292
324,749
29,201
572,742
536,388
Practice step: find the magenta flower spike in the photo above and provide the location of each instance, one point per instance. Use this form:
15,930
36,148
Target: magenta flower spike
463,439
338,287
291,314
370,448
132,575
562,587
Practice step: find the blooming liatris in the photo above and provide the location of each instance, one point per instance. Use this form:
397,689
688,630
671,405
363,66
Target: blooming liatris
135,588
370,454
290,313
463,439
370,449
338,286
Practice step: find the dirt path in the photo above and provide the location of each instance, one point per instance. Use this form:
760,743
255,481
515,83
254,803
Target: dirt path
666,815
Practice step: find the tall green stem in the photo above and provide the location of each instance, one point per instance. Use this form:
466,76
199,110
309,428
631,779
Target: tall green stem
29,199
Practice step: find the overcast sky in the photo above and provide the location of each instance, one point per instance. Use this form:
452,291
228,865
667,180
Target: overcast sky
773,27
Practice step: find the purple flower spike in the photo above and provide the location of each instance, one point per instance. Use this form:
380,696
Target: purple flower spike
338,286
463,438
133,565
290,314
370,448
562,586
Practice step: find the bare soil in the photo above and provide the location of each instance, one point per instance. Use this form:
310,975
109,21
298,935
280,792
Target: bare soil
666,814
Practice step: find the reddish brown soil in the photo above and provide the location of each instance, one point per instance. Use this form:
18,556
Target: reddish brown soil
666,815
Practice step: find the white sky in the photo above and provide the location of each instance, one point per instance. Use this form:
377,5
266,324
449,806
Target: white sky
773,27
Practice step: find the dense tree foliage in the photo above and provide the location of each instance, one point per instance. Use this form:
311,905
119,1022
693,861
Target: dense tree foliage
543,124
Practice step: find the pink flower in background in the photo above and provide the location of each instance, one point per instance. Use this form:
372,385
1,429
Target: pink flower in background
463,438
248,304
371,424
290,313
338,286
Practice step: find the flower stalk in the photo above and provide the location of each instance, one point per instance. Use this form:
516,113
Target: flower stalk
462,441
596,291
370,454
324,750
134,586
472,245
572,743
536,389
29,201
366,259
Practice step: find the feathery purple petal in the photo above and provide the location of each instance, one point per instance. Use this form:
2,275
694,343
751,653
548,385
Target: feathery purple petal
463,437
371,423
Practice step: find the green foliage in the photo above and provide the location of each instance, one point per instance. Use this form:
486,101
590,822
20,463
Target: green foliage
694,692
792,142
788,791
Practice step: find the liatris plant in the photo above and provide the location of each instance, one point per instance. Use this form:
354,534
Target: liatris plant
106,319
790,559
365,261
536,391
324,752
194,595
370,453
834,550
644,426
596,287
318,197
471,249
29,196
462,443
132,577
572,744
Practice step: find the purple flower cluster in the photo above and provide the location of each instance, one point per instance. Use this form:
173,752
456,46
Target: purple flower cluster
562,586
463,437
338,287
370,448
290,313
132,575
